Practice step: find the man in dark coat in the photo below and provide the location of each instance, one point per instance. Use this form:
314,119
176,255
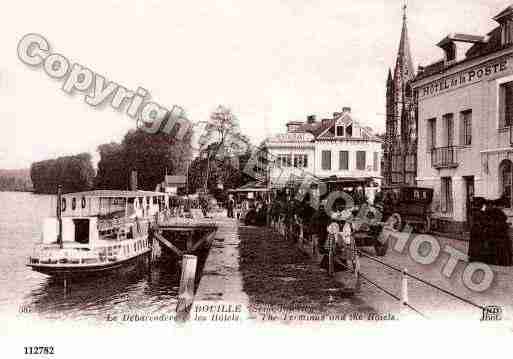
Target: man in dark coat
320,222
229,206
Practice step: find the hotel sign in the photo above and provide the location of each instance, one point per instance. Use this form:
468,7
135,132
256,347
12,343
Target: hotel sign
293,137
463,78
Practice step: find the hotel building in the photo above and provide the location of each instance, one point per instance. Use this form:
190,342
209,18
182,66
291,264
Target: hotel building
338,147
465,123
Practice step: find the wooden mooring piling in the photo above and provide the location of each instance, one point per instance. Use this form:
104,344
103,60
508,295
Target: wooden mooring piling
187,286
184,243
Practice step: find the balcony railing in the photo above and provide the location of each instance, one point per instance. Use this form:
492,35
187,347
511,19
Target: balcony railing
444,157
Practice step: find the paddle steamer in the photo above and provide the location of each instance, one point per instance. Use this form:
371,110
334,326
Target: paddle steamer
97,232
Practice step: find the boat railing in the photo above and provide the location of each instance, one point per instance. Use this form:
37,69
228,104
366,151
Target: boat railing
106,224
50,254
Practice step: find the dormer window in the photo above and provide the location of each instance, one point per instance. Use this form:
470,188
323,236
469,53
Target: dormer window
507,32
339,130
456,45
505,19
450,51
349,131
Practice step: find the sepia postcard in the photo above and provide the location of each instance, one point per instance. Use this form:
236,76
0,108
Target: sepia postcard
181,178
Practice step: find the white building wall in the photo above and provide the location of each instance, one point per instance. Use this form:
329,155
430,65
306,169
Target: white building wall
282,174
314,168
352,147
482,98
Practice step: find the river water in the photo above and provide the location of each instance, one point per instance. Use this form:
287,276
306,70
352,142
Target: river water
21,289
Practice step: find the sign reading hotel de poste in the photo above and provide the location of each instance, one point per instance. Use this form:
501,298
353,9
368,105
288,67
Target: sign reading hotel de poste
463,78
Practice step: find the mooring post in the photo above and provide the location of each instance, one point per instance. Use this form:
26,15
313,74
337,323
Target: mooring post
404,288
331,264
315,245
187,283
357,271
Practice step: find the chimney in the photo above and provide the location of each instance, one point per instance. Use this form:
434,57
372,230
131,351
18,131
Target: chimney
310,119
346,109
133,180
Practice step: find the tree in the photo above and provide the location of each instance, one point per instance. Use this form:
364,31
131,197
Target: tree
73,173
151,155
15,180
112,169
221,138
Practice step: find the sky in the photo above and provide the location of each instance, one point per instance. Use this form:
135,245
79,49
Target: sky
271,62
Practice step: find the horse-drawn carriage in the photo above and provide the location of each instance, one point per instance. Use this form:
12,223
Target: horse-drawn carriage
365,220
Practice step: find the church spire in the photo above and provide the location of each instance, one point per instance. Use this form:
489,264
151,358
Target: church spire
404,70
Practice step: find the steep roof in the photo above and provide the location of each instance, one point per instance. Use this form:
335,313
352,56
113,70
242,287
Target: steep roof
483,46
507,12
346,119
494,43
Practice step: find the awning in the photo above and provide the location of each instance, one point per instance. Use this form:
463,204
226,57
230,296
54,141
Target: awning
251,187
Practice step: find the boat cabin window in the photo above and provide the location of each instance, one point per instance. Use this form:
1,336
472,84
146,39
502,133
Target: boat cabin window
112,208
81,230
63,205
131,206
73,203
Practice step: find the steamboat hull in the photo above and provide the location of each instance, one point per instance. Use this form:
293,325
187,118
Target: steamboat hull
70,271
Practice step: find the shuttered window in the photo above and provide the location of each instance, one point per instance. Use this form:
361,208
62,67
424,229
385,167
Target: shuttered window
343,160
446,195
375,160
449,129
466,128
326,160
360,160
431,134
506,104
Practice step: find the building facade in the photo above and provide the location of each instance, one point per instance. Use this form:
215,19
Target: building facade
465,117
336,147
400,148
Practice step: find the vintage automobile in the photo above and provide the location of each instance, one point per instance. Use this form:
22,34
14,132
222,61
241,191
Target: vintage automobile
408,205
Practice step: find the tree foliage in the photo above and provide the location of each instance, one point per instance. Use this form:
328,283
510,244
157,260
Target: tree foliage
228,171
73,173
151,155
15,180
221,146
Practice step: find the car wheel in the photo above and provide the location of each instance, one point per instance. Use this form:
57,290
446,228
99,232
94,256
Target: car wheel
395,222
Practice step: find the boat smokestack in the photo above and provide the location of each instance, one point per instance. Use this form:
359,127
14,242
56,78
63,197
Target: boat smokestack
59,215
133,180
